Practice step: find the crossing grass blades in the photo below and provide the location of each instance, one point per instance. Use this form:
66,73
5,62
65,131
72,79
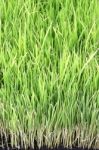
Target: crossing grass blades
49,73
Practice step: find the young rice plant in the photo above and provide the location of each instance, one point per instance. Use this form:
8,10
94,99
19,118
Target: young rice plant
49,72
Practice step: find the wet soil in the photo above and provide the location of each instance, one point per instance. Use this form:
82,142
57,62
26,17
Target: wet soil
7,146
45,148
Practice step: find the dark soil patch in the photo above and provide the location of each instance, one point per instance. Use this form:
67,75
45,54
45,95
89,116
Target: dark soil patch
45,148
7,146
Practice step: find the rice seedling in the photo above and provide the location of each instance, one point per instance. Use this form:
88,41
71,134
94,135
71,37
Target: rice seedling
49,72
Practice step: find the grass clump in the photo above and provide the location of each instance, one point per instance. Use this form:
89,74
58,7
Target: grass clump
49,72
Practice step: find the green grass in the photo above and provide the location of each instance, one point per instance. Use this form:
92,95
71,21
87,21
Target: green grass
49,72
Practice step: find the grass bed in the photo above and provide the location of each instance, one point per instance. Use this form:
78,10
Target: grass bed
49,72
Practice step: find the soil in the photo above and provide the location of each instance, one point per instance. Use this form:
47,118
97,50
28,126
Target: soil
60,147
45,148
